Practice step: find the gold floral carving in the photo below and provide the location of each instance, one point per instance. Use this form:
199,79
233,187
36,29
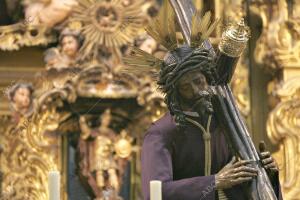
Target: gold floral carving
283,129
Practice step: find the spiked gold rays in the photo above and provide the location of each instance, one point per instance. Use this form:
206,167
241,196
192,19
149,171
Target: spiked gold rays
162,28
107,23
202,28
140,61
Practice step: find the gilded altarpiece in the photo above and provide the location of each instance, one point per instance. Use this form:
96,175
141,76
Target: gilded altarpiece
38,144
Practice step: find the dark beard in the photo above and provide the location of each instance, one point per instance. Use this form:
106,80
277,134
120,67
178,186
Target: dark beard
202,104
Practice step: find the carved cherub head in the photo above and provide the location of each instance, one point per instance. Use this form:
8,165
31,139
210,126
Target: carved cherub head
52,57
70,41
146,43
21,97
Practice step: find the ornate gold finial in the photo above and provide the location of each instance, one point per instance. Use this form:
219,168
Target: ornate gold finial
234,39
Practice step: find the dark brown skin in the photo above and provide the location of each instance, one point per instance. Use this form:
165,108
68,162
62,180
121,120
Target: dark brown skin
267,160
189,86
236,171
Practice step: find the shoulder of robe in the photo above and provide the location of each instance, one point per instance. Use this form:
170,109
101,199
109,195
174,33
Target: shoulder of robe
165,127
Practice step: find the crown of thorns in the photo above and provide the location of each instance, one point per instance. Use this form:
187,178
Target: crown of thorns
180,58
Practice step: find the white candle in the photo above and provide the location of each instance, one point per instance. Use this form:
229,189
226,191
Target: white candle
155,190
54,185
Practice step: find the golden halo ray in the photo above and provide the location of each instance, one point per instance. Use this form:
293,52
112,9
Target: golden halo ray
108,23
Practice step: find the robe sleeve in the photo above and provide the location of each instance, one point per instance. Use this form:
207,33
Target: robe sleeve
157,165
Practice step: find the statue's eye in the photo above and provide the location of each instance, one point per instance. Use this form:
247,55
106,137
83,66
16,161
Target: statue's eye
198,81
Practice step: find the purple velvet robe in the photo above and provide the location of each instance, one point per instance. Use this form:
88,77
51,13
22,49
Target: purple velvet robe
176,157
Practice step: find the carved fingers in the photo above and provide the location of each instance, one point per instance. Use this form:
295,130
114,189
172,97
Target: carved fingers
268,162
235,172
266,158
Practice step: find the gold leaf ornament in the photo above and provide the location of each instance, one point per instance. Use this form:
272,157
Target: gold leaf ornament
162,28
202,28
140,61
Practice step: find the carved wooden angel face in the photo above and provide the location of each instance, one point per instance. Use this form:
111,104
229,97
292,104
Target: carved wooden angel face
22,98
149,45
70,46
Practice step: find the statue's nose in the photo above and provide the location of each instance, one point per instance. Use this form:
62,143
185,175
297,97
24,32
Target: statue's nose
195,89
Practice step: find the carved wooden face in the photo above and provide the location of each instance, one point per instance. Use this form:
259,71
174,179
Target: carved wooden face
22,98
191,84
149,45
70,45
194,94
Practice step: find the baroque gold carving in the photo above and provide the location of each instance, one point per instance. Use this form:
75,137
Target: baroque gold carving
28,157
275,36
99,81
12,37
278,51
32,149
288,50
283,129
108,24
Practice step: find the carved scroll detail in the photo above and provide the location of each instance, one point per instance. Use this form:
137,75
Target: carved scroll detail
283,129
